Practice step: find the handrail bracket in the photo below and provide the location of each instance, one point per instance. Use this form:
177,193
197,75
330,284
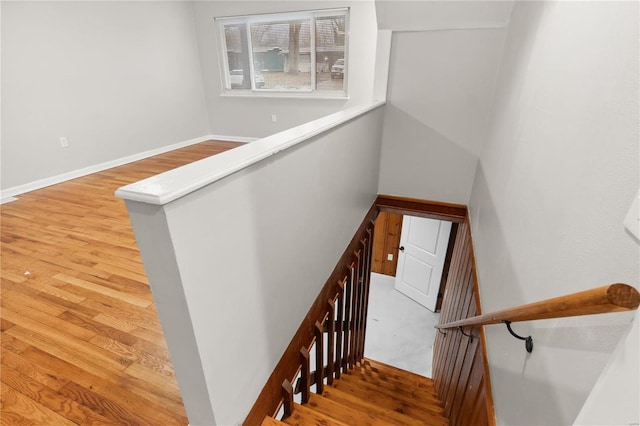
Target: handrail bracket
528,341
470,335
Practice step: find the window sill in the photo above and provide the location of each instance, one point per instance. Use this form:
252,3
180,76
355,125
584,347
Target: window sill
285,95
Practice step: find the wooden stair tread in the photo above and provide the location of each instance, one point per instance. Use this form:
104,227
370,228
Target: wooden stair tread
346,414
381,413
414,380
397,373
372,394
393,388
405,405
304,416
270,421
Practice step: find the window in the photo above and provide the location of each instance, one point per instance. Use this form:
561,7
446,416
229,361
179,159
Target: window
302,53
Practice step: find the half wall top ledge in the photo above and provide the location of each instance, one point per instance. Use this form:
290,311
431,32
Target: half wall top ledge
169,186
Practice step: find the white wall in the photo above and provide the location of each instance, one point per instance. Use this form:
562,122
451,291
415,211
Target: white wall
442,78
115,78
235,266
411,15
250,116
556,177
614,398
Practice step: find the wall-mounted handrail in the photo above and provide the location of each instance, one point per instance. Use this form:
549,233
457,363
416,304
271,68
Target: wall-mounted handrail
601,300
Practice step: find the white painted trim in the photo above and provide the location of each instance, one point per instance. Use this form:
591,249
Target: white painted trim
42,183
7,200
315,95
169,186
387,279
243,139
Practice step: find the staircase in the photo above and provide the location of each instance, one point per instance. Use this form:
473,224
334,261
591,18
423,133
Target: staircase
344,388
353,390
371,393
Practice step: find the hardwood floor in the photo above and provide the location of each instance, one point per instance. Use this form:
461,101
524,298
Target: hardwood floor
81,343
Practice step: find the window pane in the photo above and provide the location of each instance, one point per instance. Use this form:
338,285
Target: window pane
282,55
330,41
238,70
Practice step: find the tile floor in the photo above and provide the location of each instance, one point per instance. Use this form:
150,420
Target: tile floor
399,331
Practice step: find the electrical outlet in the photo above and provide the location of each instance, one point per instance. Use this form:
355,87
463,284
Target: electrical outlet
274,118
390,256
63,142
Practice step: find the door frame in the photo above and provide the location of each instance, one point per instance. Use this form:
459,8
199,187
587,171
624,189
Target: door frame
454,213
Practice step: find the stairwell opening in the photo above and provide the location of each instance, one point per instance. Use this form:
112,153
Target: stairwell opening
400,330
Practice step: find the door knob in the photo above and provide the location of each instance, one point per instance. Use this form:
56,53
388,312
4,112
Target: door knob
401,248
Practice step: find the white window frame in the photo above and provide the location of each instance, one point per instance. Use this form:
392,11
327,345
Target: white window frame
310,15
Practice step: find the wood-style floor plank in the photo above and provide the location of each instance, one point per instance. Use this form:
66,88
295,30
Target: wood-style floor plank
81,342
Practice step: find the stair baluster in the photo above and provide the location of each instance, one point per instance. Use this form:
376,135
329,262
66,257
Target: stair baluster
359,325
347,321
331,328
367,287
287,398
319,357
352,319
305,374
339,329
358,301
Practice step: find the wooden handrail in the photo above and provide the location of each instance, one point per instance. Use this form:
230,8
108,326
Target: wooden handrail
601,300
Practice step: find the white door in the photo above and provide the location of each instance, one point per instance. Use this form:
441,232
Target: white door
423,248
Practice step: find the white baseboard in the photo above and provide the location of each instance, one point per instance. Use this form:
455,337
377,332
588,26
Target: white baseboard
383,278
7,195
7,200
244,139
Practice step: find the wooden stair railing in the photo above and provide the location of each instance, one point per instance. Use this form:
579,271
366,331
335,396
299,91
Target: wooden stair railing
335,326
340,312
606,299
460,392
343,356
357,390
